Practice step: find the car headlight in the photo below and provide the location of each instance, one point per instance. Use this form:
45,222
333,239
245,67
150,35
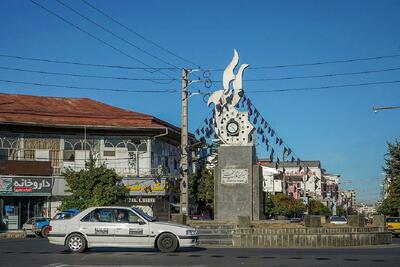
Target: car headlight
191,232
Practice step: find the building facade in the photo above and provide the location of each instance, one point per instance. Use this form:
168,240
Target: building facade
303,180
41,137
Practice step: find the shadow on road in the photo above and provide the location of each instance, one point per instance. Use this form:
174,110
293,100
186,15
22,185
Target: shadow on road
135,250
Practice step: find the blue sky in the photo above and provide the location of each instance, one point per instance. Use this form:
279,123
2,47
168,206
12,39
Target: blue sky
336,126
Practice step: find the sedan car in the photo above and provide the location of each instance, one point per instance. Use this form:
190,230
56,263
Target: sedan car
338,220
119,227
35,226
393,225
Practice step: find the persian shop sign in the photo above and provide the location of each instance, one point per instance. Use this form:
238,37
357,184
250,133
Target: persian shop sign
145,187
22,185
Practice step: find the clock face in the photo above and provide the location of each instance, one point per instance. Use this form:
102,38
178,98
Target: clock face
232,127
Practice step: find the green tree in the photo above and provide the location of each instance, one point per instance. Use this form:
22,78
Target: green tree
317,208
93,186
341,211
268,205
391,204
286,206
201,186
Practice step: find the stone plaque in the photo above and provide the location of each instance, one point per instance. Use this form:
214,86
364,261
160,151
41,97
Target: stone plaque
234,176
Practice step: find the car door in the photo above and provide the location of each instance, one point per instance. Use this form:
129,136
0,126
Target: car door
99,227
131,230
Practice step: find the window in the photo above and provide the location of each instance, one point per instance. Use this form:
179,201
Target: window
99,215
126,216
29,154
3,154
69,155
109,153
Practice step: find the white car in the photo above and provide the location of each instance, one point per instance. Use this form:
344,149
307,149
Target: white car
338,220
119,227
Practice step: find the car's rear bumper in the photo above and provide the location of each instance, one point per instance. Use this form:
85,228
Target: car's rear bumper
56,239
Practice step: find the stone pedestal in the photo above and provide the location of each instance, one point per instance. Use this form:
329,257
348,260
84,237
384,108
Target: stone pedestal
312,221
356,220
238,184
378,221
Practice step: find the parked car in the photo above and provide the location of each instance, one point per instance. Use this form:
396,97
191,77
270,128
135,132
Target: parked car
40,226
338,220
393,225
36,226
119,227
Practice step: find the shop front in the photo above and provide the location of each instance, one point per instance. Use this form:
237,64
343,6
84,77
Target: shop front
22,197
152,195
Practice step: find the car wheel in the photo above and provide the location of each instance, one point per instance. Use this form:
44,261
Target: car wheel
45,232
167,243
76,243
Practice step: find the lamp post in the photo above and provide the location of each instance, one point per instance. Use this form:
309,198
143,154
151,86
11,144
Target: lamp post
376,109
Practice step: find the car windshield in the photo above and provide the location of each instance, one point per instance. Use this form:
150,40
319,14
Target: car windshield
145,215
338,219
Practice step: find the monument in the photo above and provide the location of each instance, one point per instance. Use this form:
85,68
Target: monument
238,181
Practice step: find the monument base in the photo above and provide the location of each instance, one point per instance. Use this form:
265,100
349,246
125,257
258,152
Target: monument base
238,184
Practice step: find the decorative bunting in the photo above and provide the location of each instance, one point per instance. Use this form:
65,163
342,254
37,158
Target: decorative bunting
277,140
263,138
271,155
250,111
197,132
262,121
289,151
272,132
280,141
265,124
255,120
292,160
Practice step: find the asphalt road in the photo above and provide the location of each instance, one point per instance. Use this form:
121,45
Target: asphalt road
38,252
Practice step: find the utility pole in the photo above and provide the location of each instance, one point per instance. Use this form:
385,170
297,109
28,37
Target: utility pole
184,199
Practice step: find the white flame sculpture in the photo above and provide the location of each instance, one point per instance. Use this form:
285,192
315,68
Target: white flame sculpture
232,127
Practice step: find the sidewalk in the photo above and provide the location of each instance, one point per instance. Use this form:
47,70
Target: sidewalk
12,234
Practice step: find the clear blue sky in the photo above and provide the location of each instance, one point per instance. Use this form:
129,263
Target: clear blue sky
335,126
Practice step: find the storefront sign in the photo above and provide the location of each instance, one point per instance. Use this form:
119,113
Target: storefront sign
234,176
145,187
25,185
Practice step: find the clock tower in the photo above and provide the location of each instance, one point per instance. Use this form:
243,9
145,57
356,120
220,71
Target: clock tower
238,180
233,126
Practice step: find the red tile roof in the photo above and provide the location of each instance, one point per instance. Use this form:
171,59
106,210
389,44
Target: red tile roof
63,111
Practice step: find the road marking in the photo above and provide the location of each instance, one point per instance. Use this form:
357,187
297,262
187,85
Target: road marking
83,265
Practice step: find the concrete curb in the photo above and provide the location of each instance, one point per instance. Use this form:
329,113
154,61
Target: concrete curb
13,234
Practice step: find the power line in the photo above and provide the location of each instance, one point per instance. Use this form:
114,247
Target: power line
90,88
114,34
87,76
323,87
321,76
138,34
86,64
313,88
318,63
92,36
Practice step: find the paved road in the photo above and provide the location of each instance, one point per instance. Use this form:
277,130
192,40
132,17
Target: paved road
38,252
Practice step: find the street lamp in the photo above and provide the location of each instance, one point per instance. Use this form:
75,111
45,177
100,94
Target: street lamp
376,109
